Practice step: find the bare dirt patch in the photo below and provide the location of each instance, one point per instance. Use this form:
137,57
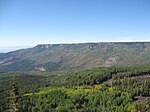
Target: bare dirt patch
142,78
108,82
142,99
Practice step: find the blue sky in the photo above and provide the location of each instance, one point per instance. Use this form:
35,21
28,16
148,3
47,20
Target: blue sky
32,22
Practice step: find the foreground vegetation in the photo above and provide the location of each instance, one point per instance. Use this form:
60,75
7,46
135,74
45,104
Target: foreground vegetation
121,89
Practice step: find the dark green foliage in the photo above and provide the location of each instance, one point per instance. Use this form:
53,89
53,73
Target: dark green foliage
79,91
90,77
58,100
13,98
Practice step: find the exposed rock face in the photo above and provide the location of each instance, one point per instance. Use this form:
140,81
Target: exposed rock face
40,68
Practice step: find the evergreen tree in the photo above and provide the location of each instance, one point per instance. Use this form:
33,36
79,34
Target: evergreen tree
14,93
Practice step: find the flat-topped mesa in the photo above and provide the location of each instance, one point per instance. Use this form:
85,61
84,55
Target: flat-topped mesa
53,57
67,46
45,46
90,45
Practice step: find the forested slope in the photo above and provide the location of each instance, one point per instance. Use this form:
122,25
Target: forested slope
55,57
113,89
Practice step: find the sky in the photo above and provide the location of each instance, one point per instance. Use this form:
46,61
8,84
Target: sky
25,23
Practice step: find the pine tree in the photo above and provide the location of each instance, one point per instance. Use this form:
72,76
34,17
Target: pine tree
13,107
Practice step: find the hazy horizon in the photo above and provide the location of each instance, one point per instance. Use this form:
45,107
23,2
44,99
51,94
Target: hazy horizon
5,49
31,22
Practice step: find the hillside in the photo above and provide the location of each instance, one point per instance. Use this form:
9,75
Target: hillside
53,57
105,89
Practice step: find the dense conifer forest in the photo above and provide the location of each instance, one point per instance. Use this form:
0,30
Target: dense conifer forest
114,89
74,55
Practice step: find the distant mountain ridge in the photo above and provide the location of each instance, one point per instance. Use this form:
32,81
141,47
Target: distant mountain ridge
53,57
